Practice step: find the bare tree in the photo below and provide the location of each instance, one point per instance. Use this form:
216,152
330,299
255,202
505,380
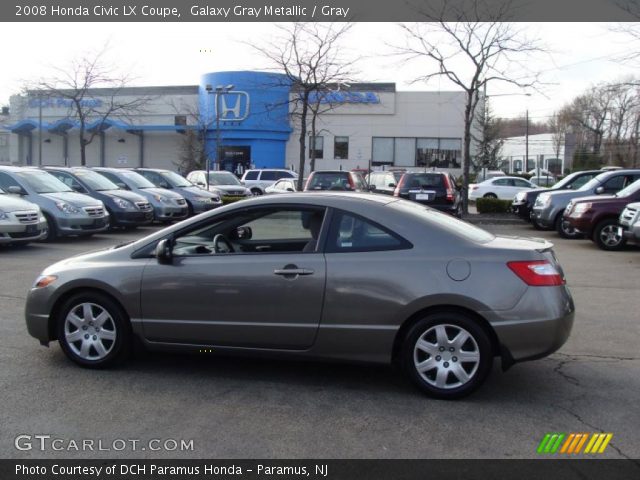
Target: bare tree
479,49
559,126
92,91
310,57
193,151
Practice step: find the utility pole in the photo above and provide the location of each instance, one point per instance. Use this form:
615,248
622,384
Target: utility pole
526,142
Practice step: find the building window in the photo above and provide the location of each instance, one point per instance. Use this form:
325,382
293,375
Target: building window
404,154
341,148
439,152
180,120
317,144
382,151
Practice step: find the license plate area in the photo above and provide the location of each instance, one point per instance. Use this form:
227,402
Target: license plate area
31,229
424,195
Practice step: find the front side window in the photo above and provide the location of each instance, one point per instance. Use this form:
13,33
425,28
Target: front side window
521,183
264,230
253,175
317,144
341,148
614,184
67,179
42,182
352,233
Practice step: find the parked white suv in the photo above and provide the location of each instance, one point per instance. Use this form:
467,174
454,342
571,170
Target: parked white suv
630,222
21,222
258,180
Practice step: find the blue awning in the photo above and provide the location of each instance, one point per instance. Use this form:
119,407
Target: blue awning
61,126
26,126
64,125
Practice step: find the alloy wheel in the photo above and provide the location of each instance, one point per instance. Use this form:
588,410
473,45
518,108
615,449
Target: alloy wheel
446,356
90,331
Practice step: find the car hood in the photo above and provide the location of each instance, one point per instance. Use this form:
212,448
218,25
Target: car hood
599,198
124,194
77,199
161,191
83,260
9,203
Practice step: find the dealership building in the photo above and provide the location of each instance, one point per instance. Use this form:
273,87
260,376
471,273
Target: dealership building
249,115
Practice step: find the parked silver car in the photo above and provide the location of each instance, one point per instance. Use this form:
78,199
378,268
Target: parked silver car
353,277
21,222
630,222
167,205
220,182
67,213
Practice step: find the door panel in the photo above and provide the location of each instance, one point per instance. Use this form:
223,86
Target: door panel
235,300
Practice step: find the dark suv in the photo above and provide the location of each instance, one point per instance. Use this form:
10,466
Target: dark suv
383,182
435,189
524,201
597,217
335,180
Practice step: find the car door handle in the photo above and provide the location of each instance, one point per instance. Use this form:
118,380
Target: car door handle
293,271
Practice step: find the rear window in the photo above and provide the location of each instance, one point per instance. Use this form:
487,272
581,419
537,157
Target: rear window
330,181
446,222
424,180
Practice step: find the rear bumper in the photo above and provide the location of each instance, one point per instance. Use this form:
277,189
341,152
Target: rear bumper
539,325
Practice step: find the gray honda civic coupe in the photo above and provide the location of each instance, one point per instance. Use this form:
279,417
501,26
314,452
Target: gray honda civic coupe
349,277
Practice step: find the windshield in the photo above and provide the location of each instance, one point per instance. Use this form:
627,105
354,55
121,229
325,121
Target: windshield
136,180
629,189
176,180
42,182
223,178
447,222
95,181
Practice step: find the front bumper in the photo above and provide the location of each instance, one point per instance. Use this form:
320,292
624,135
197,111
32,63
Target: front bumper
131,218
199,207
632,233
538,325
582,224
165,213
543,216
22,232
76,225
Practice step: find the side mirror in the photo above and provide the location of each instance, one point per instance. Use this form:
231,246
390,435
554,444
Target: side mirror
600,190
372,188
165,185
122,186
77,188
244,233
15,190
164,251
290,189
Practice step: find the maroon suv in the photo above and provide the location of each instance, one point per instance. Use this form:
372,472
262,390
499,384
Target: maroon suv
597,217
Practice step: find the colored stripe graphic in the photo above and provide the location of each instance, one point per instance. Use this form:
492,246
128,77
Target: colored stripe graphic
573,443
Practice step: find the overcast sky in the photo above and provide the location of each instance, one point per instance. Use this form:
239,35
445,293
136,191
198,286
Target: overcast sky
179,53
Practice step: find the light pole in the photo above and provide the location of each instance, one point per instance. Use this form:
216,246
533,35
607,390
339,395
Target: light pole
219,90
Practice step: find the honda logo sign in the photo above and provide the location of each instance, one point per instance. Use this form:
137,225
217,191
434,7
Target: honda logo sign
234,106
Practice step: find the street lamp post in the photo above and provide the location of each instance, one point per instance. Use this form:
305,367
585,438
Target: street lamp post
219,90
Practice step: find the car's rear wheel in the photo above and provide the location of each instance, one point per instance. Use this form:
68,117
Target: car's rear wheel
608,235
490,195
256,192
564,228
447,355
93,330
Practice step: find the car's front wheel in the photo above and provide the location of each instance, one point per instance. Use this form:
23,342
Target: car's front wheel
447,355
564,228
608,235
93,330
490,195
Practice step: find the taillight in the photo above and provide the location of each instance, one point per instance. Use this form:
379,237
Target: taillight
447,185
351,184
306,185
396,192
537,273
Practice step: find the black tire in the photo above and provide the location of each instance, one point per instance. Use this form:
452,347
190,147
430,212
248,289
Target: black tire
536,225
190,209
490,195
256,192
478,372
117,351
52,232
564,229
608,236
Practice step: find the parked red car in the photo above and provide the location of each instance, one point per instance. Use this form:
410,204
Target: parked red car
597,217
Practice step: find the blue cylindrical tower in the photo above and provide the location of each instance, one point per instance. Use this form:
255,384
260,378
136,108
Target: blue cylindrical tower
253,119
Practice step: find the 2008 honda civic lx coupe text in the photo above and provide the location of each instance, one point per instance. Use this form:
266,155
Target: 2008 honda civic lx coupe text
355,277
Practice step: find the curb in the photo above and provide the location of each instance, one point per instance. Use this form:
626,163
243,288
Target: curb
479,219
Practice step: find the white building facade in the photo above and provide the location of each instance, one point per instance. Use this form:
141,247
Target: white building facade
367,125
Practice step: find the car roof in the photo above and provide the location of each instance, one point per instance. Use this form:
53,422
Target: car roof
14,168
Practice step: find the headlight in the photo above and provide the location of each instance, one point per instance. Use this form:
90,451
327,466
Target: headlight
67,208
3,215
44,281
520,196
122,203
582,207
543,200
160,198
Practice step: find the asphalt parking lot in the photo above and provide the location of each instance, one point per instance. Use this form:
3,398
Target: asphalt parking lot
250,408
